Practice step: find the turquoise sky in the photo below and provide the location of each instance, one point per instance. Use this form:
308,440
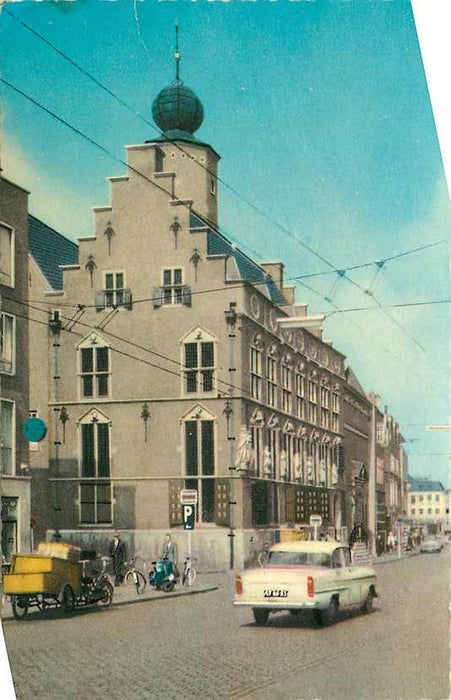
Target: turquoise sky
321,113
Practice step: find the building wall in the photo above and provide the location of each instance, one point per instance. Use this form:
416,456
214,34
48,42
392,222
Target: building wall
14,381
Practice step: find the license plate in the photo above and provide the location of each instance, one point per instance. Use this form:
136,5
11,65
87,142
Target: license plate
275,593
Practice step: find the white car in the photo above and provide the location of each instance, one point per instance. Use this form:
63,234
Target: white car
316,576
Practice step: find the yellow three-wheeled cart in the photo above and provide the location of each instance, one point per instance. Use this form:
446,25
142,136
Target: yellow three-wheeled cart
51,578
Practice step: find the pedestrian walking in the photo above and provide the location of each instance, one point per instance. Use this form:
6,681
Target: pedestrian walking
118,553
390,542
169,551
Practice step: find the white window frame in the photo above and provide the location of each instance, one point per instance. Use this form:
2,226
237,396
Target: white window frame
286,383
201,415
199,336
4,362
114,290
12,281
256,357
94,480
13,437
173,287
271,381
86,344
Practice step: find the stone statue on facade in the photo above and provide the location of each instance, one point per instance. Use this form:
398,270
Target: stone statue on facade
322,473
310,470
334,474
283,464
297,467
267,462
245,458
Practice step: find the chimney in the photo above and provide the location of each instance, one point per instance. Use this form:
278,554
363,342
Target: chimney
275,269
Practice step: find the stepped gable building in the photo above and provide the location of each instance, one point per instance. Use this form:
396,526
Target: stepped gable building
174,361
14,403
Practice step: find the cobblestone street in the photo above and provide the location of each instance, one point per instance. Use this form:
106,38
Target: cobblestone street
202,647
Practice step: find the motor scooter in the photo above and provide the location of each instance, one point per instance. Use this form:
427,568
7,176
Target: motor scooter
163,576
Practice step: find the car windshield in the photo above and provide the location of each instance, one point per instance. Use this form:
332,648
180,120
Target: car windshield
299,559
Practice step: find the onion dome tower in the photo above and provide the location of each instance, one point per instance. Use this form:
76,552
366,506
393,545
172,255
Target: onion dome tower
176,110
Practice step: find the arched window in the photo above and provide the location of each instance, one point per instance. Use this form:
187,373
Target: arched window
271,377
95,490
199,361
94,367
199,460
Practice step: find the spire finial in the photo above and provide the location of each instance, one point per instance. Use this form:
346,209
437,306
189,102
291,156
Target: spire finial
177,55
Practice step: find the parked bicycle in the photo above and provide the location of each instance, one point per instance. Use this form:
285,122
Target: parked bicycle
134,576
189,572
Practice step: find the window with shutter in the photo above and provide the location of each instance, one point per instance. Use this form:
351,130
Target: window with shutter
200,465
6,256
199,358
7,343
113,289
94,371
95,490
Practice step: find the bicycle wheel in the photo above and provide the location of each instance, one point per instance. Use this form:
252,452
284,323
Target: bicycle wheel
20,606
140,582
129,579
188,577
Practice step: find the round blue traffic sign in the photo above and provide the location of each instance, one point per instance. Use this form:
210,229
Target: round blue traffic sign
34,430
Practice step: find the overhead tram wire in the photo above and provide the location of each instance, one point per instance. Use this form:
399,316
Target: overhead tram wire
257,283
94,328
397,358
169,194
232,189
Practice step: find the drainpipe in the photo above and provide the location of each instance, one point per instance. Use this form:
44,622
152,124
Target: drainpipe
55,327
230,316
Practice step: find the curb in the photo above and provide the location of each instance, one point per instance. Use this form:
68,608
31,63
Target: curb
390,561
138,599
167,596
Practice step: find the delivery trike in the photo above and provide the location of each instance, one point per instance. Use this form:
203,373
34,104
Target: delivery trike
54,577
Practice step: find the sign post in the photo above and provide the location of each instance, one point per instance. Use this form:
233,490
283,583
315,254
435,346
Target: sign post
316,521
188,500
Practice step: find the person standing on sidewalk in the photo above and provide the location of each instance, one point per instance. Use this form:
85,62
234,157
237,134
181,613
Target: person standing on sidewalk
390,542
169,551
118,553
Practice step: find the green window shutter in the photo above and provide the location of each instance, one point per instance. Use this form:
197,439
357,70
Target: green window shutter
175,508
191,355
87,450
87,360
207,355
208,451
103,449
290,501
102,359
222,487
191,447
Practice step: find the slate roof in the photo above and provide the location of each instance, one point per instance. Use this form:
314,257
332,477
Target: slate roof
218,244
50,250
424,484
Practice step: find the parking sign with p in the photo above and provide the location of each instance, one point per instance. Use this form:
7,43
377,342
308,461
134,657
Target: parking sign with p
189,516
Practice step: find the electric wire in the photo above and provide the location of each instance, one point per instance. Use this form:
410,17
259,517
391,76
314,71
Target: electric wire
232,189
120,160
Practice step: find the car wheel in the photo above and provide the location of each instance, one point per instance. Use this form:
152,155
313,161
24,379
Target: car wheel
260,616
327,616
367,606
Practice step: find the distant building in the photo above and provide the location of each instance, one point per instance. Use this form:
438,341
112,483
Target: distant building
14,403
427,503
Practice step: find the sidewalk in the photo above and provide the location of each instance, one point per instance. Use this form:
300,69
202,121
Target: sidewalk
126,595
388,558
